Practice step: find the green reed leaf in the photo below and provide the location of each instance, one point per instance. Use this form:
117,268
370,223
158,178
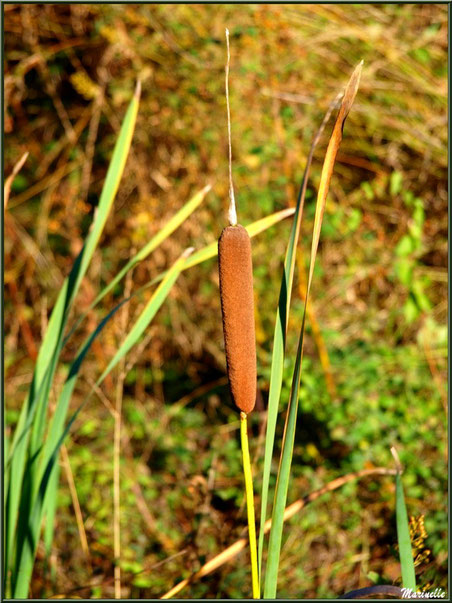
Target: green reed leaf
282,484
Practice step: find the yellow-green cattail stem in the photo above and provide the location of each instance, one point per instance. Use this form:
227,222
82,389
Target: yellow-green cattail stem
249,504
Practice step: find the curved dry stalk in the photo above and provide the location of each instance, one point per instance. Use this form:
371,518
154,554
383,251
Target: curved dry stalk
238,546
117,450
76,504
8,182
330,158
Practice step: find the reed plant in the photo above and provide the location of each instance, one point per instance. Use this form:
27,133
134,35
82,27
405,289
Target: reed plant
237,308
236,294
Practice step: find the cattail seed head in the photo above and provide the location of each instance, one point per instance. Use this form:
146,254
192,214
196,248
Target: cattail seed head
237,306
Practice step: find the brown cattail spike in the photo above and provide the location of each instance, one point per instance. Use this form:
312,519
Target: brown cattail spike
237,306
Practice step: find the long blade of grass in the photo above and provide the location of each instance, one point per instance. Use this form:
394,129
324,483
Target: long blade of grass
49,522
12,491
279,337
21,432
164,233
403,531
282,483
50,348
109,190
148,313
29,530
51,508
21,435
174,223
28,537
6,448
34,521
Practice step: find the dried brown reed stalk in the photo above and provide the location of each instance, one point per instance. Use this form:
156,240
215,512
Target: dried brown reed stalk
238,546
9,181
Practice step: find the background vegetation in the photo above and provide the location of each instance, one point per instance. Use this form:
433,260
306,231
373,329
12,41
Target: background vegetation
374,372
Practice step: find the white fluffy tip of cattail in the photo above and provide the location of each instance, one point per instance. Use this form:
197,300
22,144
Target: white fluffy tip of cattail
232,213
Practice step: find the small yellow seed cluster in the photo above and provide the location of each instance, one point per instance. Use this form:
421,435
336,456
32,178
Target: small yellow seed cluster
418,535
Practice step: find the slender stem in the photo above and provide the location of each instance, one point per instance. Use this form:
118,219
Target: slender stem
249,503
232,210
76,504
117,450
117,488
